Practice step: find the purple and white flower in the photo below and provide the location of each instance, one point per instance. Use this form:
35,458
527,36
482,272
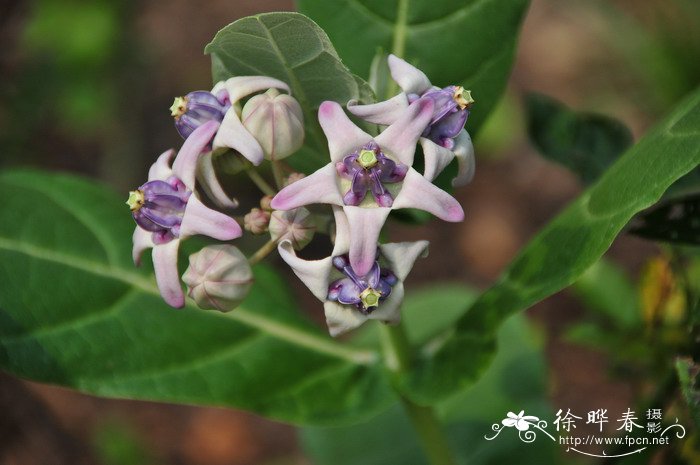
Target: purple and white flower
222,105
361,164
445,137
167,210
351,298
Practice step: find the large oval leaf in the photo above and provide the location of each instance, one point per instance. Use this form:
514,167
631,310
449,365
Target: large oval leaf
292,48
74,311
467,42
561,252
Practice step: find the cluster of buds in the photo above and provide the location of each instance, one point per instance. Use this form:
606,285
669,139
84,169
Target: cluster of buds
366,178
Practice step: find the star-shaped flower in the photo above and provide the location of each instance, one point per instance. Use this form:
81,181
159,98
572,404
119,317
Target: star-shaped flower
167,210
361,164
221,105
445,137
350,298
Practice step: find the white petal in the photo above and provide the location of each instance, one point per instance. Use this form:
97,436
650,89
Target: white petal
401,137
384,113
509,422
185,164
200,219
160,170
389,311
233,135
206,175
142,240
315,274
365,225
341,243
342,318
167,277
319,187
409,78
241,86
464,151
402,255
436,158
418,192
342,134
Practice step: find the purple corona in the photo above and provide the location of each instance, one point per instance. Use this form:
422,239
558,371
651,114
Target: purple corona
368,169
364,292
451,110
198,107
158,207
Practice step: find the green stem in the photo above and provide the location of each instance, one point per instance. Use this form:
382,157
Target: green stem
263,185
398,359
278,173
398,46
263,252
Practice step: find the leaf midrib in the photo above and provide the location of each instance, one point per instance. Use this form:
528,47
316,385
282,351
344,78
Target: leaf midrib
241,315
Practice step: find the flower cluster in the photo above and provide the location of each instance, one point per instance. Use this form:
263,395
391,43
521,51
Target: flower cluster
366,178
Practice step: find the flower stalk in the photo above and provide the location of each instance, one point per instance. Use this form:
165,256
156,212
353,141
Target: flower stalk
398,358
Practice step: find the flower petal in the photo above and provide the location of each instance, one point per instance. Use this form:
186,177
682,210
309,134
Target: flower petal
313,273
234,135
402,255
341,243
241,86
161,170
418,192
401,137
200,219
319,187
464,151
185,164
342,134
142,240
408,77
509,422
165,265
206,175
389,311
342,318
365,224
436,158
384,113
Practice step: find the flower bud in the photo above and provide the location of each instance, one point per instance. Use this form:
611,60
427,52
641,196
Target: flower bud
256,221
292,178
295,225
277,123
218,278
265,203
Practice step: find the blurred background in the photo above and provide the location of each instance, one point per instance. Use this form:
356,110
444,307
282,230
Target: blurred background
85,87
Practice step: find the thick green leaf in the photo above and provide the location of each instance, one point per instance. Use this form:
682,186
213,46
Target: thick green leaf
674,220
292,48
586,143
74,311
465,42
560,253
607,290
515,381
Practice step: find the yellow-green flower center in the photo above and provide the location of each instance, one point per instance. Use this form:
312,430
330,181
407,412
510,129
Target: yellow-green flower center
135,200
370,297
179,107
462,97
367,159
